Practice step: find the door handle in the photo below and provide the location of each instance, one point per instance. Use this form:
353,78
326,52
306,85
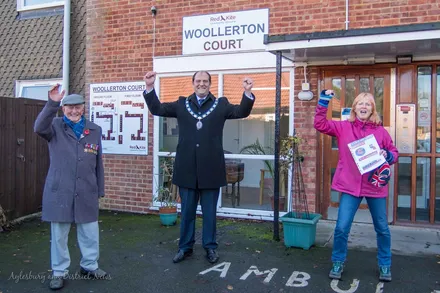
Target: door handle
21,157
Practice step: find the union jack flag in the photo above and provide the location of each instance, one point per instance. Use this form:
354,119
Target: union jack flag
381,175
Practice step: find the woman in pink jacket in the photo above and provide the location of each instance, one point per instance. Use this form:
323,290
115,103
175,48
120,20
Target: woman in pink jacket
364,120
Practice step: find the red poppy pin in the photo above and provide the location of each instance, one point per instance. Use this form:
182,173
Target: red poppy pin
86,132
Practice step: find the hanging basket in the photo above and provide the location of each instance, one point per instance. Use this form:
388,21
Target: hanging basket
299,232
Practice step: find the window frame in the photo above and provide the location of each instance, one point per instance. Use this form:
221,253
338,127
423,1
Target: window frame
22,7
223,211
21,84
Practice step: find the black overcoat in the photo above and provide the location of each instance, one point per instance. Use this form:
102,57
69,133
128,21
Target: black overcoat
200,160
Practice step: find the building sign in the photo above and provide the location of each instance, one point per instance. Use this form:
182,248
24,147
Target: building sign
405,128
225,32
120,110
345,113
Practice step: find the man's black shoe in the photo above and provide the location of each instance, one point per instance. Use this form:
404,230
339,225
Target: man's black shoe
180,255
211,255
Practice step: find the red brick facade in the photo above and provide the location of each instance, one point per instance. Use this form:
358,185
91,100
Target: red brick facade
120,48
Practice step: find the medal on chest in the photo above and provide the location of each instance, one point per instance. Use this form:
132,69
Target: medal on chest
199,123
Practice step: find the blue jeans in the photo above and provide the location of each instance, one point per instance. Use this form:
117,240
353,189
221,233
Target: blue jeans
348,206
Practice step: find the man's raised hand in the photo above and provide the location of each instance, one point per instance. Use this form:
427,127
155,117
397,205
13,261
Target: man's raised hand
149,78
248,83
54,93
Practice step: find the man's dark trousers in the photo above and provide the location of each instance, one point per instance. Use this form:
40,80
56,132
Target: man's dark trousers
208,201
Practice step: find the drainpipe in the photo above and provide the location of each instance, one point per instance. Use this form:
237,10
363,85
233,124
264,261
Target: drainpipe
346,15
66,46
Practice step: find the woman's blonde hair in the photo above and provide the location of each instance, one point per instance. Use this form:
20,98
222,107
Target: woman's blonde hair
374,117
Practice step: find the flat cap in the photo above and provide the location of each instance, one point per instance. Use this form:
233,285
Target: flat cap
73,99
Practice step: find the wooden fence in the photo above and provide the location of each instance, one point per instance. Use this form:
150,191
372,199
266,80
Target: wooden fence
24,157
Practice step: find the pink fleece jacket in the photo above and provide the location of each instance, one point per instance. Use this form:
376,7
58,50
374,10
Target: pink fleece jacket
347,178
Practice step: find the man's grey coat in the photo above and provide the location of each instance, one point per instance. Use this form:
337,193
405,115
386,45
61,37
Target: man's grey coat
75,180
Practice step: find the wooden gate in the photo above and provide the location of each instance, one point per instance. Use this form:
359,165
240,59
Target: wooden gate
24,157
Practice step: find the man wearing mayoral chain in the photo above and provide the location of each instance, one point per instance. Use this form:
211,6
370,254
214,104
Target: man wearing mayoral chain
199,167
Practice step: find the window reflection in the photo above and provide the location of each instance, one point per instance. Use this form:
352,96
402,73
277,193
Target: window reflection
364,85
422,189
336,106
404,189
170,90
259,127
437,190
378,95
437,143
250,185
350,92
165,191
424,109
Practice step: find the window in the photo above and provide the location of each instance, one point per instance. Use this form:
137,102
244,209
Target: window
37,4
34,89
248,143
424,87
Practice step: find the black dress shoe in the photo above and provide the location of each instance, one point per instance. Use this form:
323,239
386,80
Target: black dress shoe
211,255
180,255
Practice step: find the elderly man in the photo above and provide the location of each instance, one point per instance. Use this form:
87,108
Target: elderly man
74,183
199,168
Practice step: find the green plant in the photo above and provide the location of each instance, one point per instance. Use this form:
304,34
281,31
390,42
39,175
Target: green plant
292,157
257,149
166,192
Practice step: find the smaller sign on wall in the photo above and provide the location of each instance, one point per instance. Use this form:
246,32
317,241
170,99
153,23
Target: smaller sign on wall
225,32
424,118
120,110
405,128
345,113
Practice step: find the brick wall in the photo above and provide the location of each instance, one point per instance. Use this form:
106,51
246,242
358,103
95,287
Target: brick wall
120,48
303,120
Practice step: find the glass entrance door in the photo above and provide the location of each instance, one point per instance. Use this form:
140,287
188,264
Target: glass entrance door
347,84
417,198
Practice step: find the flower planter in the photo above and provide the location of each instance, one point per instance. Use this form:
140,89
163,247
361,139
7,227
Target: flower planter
299,232
168,216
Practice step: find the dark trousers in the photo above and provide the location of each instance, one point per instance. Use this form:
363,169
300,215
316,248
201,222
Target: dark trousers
208,201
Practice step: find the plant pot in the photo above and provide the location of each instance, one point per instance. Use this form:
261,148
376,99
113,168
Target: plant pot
281,203
168,216
299,232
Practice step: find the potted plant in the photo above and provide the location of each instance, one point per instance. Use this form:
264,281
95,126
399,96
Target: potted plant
267,183
167,193
299,224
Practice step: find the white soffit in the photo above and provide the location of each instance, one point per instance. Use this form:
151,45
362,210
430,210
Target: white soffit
235,61
353,40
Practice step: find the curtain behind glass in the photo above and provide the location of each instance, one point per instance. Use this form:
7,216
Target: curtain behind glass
36,92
